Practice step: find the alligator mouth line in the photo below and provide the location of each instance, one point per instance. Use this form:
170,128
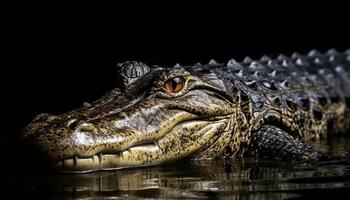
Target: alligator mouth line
110,160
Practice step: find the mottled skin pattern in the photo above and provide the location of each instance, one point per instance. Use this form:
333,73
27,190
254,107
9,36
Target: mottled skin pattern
268,107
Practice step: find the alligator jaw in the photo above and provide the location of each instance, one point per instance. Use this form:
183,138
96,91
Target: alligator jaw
168,148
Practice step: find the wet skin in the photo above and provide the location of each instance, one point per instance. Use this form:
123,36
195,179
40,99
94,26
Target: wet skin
158,115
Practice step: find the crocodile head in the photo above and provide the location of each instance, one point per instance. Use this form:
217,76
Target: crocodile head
155,115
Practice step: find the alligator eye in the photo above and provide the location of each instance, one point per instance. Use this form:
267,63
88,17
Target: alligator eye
174,85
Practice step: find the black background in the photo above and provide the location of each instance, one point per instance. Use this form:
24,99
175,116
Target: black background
58,56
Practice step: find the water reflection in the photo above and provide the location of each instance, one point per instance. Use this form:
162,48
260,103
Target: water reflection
234,179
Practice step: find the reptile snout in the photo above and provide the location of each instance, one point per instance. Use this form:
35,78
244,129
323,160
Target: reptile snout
55,137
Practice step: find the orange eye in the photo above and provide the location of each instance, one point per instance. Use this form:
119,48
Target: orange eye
174,85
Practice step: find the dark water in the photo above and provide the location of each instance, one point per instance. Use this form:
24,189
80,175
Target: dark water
218,179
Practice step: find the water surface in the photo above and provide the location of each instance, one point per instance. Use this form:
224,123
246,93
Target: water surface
207,179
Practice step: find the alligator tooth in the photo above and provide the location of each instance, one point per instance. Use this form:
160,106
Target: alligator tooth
177,65
68,164
75,159
232,63
213,62
96,161
109,161
84,164
100,156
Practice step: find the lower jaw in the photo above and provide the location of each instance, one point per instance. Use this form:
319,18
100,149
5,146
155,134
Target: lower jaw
104,161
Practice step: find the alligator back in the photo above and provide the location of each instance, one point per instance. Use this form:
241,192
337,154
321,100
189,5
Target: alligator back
306,95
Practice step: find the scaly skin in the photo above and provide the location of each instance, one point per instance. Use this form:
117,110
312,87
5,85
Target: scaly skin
223,110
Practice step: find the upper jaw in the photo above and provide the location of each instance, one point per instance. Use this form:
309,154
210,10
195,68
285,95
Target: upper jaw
75,144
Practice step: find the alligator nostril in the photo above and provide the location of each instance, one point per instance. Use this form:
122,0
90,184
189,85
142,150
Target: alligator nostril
86,127
80,125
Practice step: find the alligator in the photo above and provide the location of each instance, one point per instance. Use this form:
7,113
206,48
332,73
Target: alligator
264,108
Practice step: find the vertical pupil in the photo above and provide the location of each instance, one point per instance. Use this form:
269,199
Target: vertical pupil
174,83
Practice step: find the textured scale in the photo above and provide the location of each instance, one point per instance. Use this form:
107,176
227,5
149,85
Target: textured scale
130,71
267,107
305,93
